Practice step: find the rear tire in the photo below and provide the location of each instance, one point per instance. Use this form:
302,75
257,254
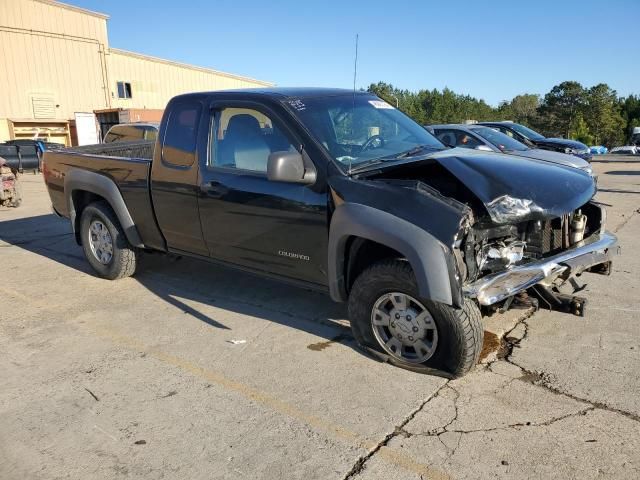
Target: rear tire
445,340
105,244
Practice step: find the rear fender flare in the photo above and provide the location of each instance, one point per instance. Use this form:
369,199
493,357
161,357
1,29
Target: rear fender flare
431,261
106,188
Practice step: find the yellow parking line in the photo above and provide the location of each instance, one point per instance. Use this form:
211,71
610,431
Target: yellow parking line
391,455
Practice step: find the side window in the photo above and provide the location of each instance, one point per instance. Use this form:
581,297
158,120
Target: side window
179,146
448,137
506,132
465,140
244,138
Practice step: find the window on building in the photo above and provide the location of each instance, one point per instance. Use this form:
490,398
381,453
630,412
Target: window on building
124,90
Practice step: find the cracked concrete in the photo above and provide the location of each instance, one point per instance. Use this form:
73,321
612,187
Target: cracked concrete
539,407
137,378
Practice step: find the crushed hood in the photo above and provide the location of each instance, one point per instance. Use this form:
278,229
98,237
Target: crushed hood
549,190
512,189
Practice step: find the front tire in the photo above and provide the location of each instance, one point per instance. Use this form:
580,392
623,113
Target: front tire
391,320
105,244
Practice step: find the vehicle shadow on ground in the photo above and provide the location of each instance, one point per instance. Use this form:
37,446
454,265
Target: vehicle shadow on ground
614,190
622,172
180,282
614,160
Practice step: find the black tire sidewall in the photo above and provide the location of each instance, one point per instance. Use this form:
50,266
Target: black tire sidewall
103,213
397,276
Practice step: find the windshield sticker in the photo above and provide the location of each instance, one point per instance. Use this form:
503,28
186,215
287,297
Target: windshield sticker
297,104
381,104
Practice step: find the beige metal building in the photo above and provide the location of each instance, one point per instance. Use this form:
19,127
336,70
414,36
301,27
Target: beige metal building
55,62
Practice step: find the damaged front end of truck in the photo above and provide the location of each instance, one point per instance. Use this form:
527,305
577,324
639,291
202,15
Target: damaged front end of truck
522,224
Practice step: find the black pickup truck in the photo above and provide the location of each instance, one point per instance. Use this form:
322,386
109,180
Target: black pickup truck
337,190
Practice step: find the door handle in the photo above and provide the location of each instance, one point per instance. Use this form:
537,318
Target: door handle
215,189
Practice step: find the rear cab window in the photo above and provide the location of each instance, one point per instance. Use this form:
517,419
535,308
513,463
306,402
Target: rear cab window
180,137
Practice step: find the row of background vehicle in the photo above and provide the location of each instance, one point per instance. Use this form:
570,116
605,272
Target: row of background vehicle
491,139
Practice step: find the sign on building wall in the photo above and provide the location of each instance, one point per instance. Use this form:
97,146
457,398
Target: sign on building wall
86,128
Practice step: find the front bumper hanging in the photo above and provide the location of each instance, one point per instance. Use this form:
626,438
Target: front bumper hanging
594,250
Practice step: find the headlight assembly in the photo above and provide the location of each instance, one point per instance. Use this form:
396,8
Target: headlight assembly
506,209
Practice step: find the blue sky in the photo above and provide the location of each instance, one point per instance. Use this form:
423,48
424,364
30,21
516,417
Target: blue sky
489,49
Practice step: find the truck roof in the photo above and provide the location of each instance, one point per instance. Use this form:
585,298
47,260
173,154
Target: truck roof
280,92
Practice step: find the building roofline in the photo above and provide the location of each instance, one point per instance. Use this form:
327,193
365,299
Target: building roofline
186,65
55,3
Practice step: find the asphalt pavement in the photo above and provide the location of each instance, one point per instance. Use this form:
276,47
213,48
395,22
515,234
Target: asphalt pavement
190,370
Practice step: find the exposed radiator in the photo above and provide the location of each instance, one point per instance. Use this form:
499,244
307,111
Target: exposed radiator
548,236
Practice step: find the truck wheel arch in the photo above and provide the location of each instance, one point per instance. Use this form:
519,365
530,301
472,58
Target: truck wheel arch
83,184
427,257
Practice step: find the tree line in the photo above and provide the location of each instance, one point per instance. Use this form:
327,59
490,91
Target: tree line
594,116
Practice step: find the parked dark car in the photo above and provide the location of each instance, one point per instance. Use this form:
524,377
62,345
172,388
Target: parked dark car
481,137
340,192
534,139
128,132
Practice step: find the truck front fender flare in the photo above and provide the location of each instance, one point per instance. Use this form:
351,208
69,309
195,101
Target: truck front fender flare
106,188
430,260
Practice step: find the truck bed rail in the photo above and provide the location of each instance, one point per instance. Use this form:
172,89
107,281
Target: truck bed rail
142,149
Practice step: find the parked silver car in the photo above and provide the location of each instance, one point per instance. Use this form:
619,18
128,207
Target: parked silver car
481,137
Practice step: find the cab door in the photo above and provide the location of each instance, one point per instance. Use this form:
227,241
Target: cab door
248,220
174,178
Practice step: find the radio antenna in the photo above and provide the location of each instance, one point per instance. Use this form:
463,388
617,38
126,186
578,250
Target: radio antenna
353,107
355,67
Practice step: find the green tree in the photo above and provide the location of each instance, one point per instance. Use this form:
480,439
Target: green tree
568,110
580,130
630,111
560,106
602,114
524,108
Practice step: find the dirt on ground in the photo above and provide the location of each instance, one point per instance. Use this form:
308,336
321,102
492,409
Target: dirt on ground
190,370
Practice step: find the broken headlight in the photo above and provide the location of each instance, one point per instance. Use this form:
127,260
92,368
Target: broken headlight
507,209
500,255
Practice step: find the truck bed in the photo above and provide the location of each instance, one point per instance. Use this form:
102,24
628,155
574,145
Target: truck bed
128,164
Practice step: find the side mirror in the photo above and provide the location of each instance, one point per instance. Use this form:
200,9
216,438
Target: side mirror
484,148
288,167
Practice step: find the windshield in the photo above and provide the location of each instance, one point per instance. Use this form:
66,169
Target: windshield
527,132
499,139
356,129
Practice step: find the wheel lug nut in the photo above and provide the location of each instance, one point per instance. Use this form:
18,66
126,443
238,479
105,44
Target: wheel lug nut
400,336
415,329
397,316
393,324
409,317
410,338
